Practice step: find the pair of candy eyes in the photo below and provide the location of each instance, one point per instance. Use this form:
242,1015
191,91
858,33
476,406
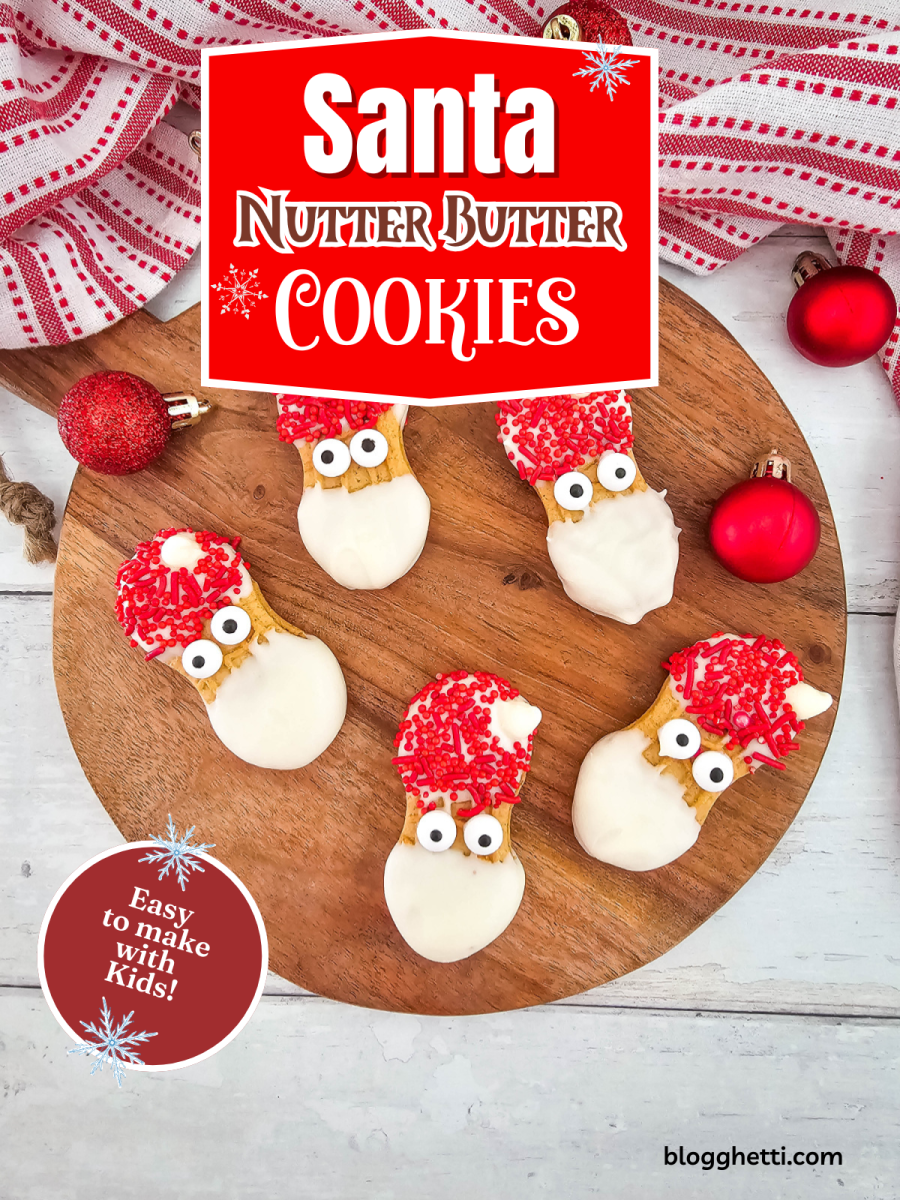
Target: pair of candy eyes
483,834
574,490
368,448
230,625
436,830
712,770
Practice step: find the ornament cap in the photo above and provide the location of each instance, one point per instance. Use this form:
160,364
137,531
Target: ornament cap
808,264
771,466
591,21
194,140
185,409
563,27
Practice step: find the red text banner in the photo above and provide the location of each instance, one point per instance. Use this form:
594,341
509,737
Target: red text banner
431,217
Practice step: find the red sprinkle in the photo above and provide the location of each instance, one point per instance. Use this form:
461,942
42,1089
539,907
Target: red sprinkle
739,676
449,723
473,811
311,418
193,592
162,607
771,762
559,433
689,678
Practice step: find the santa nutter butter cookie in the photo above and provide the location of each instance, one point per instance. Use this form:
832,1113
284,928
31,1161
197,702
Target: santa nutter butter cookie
612,539
275,696
453,882
363,515
730,705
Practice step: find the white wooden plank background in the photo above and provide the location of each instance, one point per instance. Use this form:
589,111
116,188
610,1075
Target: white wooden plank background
777,1023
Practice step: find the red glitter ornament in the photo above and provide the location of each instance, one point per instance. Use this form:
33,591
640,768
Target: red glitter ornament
764,529
310,418
117,423
588,21
448,747
839,316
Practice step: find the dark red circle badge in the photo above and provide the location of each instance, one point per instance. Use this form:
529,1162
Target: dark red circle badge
182,955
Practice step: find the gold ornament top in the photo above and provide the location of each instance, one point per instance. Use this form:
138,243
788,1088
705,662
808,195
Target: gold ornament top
563,28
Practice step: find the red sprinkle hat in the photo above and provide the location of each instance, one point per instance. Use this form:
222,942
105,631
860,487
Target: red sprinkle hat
446,746
735,688
546,436
166,608
311,418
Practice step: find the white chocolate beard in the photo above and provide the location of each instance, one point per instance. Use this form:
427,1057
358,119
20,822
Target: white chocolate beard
448,906
620,559
283,705
626,811
368,538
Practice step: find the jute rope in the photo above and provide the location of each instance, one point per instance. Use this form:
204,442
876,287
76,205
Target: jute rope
22,504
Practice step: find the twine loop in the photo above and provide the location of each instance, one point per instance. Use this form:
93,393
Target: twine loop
22,504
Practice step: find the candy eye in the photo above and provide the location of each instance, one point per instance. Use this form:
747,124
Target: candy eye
573,491
615,472
230,625
679,739
483,834
331,458
201,659
369,448
436,830
712,770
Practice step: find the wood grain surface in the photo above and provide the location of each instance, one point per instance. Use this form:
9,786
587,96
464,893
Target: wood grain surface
311,844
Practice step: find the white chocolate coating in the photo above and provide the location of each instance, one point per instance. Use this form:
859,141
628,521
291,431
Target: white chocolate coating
807,701
620,559
513,720
368,538
450,905
181,550
282,706
626,811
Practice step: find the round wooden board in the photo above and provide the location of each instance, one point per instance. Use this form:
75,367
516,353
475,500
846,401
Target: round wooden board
311,845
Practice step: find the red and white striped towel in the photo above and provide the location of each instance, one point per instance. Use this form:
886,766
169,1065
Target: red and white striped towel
769,114
775,113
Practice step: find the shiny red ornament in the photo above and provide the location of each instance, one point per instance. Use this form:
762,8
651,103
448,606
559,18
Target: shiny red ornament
839,316
764,529
588,21
117,423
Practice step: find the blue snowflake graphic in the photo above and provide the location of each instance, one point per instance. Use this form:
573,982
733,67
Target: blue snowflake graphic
114,1045
177,852
607,68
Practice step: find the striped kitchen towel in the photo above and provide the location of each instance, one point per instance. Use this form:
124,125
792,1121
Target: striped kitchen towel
775,113
769,113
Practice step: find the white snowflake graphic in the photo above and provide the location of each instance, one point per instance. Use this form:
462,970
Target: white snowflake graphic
177,852
608,68
240,291
114,1045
